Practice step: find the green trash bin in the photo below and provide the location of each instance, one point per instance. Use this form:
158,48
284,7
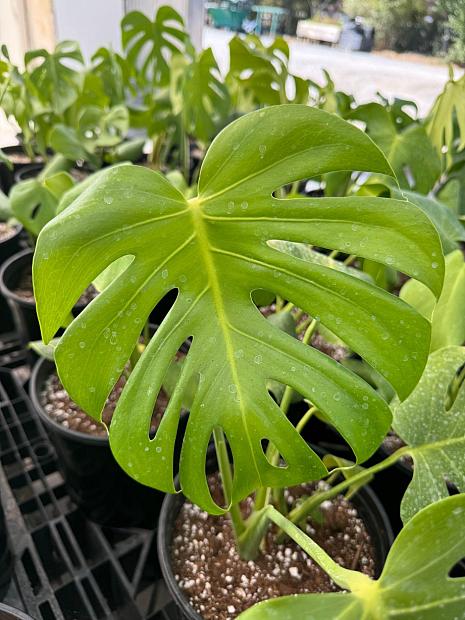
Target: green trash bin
227,18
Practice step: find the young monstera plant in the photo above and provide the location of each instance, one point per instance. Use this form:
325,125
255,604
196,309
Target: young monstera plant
215,250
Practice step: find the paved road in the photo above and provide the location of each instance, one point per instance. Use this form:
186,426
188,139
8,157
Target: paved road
354,72
358,73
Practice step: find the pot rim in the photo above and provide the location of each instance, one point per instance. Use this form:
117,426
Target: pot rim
4,289
34,391
18,230
8,293
170,501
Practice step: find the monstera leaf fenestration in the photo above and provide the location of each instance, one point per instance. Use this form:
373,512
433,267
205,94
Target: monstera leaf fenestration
409,151
434,433
149,44
214,250
414,584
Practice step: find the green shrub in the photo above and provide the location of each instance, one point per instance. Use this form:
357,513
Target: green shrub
399,24
455,11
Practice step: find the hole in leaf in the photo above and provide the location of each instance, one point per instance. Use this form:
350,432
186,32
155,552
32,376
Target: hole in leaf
35,211
454,387
263,298
409,176
458,570
219,451
272,454
163,307
170,380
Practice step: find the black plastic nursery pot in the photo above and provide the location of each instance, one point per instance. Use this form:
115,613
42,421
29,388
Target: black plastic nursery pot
5,557
8,613
366,501
95,481
29,171
8,248
18,159
23,310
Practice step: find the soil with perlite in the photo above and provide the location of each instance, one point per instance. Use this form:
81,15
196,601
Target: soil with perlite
220,585
62,409
24,289
7,231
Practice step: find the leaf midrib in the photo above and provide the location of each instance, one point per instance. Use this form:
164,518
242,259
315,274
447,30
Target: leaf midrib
206,253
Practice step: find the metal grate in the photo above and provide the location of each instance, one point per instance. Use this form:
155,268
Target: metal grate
66,567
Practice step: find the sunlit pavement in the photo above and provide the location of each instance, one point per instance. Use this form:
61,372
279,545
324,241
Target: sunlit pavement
358,73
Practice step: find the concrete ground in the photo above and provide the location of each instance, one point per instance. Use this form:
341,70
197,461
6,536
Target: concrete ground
356,73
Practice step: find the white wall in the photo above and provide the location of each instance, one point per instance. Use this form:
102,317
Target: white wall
96,22
91,22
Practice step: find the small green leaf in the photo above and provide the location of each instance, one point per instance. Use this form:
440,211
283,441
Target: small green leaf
305,252
435,434
33,205
59,183
414,584
448,226
410,151
447,316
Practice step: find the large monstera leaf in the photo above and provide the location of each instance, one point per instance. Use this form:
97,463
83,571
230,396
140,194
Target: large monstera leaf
258,74
414,584
149,44
434,432
57,83
214,250
199,95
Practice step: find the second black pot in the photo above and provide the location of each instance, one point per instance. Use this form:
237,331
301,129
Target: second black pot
96,483
23,310
8,248
368,506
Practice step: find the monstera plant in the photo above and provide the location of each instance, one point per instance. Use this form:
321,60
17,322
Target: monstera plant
215,250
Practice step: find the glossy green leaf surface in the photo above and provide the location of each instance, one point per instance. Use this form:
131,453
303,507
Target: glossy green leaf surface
409,151
435,433
214,250
447,315
414,584
34,202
